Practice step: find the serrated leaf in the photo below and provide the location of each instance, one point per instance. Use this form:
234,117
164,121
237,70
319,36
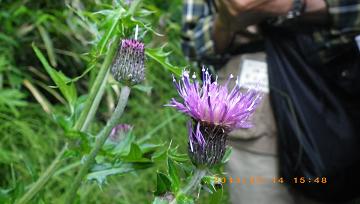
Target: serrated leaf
212,184
216,196
159,156
163,184
146,148
111,30
134,155
130,21
160,56
101,175
174,155
135,151
64,122
174,175
123,148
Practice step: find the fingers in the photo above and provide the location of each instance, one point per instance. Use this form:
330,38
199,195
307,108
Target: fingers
237,7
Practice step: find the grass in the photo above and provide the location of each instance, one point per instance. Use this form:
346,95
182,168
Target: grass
30,138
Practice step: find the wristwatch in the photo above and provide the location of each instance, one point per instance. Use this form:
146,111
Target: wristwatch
297,9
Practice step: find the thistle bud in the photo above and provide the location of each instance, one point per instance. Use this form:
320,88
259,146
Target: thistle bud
128,64
119,132
207,143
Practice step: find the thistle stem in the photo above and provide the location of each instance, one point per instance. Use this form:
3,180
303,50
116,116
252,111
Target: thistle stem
194,182
43,178
100,140
91,106
199,173
97,90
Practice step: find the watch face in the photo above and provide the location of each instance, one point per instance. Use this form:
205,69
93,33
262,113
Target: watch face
297,9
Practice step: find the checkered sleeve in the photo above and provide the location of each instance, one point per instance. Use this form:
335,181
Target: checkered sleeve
345,14
197,42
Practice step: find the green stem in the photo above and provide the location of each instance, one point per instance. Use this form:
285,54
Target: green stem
43,178
94,106
195,181
100,140
192,185
91,106
97,90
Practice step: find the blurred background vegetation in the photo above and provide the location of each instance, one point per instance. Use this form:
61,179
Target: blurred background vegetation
30,138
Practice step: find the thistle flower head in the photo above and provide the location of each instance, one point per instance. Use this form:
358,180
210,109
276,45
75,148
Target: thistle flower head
207,143
213,103
128,64
215,111
119,131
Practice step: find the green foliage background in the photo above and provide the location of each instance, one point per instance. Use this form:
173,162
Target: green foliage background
30,138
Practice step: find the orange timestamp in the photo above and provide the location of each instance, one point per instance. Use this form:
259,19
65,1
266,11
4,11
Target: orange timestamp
253,180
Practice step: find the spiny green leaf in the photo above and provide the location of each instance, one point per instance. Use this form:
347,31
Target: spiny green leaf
160,156
123,148
111,31
134,155
174,155
160,56
101,175
145,148
216,197
174,175
163,184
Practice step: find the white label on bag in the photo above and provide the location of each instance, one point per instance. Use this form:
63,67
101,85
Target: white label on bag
254,74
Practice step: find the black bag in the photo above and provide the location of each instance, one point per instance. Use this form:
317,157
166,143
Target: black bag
317,108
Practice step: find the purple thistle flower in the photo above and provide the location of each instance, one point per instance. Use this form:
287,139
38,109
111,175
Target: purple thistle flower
119,132
195,137
213,103
128,64
215,111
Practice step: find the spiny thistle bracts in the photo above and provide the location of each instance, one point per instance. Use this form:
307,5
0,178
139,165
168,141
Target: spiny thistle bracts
128,65
215,111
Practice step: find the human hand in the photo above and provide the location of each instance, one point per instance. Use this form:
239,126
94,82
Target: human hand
238,14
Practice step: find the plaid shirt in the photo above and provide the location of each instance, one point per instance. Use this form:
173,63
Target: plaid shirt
198,17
